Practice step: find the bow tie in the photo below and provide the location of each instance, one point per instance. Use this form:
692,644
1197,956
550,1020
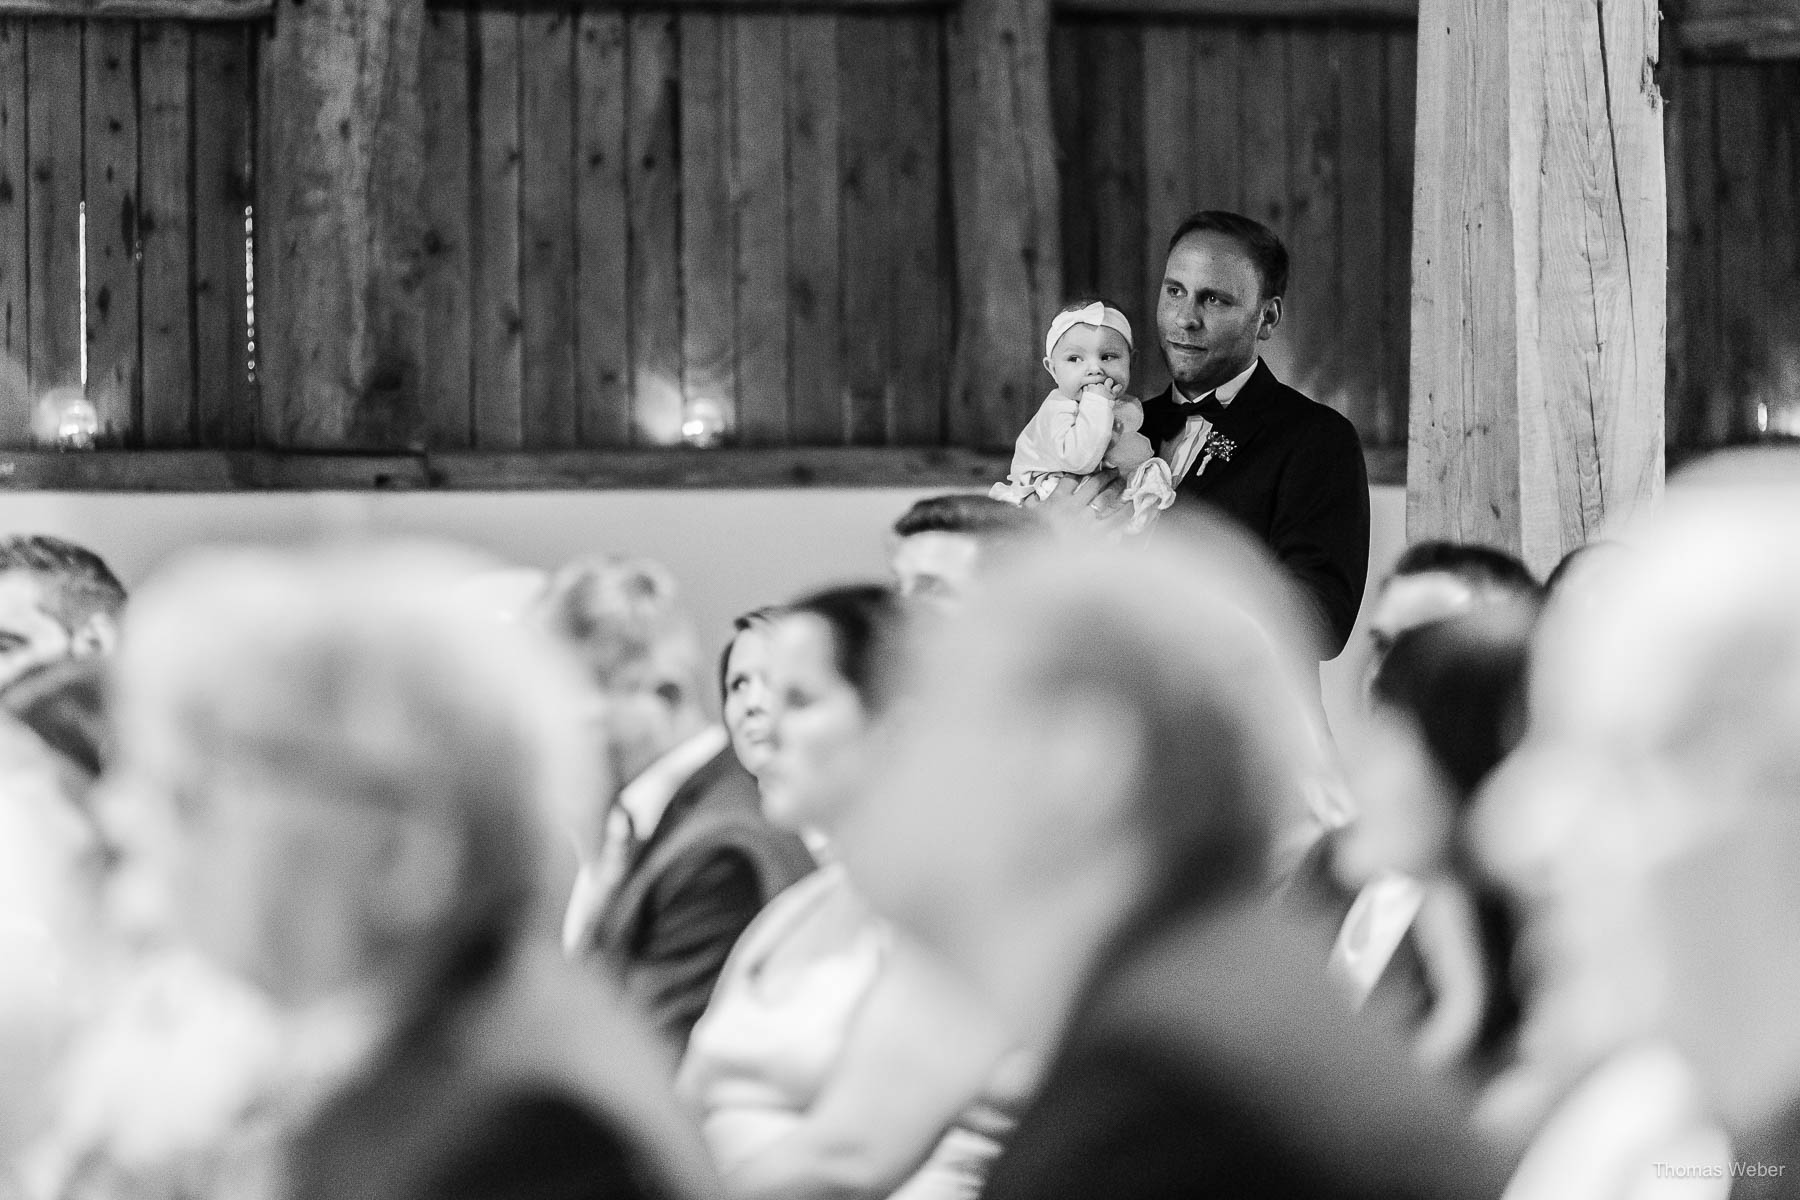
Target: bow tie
1207,406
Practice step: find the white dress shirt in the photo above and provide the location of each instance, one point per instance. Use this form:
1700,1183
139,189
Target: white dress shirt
1181,452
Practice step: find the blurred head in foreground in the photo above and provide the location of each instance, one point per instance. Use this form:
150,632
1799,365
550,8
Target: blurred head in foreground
829,686
943,545
57,601
1438,579
1653,814
341,773
1103,737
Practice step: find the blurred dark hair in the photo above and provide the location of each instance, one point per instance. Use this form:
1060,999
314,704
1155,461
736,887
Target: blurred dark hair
1259,243
77,582
1462,681
979,516
865,620
1481,567
742,624
64,703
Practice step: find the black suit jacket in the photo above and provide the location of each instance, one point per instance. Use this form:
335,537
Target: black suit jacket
708,868
1298,482
1211,1059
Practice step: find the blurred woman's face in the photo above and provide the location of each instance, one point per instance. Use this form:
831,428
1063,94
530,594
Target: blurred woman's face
748,715
1403,802
818,749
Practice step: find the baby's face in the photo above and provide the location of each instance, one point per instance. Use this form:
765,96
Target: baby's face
1090,354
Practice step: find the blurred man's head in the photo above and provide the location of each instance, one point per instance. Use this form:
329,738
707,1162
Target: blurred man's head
1434,580
1103,733
943,544
1660,786
624,620
57,600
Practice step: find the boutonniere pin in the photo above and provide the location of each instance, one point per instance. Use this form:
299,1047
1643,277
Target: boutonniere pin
1218,446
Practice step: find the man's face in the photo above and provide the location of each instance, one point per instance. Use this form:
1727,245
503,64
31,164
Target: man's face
29,636
937,568
1212,312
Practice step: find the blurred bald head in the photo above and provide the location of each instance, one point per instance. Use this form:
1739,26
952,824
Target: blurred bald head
1676,691
1102,732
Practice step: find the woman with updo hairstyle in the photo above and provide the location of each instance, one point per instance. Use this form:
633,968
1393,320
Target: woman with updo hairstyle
347,779
838,1058
1448,707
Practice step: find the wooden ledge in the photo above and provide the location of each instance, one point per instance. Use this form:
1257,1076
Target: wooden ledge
269,470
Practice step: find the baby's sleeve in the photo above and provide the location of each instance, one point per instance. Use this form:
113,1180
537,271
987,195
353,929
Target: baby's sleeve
1065,435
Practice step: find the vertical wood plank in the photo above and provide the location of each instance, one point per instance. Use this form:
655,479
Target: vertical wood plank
1006,205
1779,320
1313,313
918,333
602,310
1215,163
865,55
53,46
446,289
221,190
15,248
815,412
1116,148
498,378
1361,266
1693,260
1173,78
165,226
547,227
652,183
1264,139
708,250
1068,37
1743,141
1400,85
110,173
760,188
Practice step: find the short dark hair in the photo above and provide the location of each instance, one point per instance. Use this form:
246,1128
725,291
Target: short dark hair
77,583
865,620
1261,244
1481,567
972,513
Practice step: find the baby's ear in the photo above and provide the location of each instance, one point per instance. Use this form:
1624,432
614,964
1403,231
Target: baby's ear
1048,367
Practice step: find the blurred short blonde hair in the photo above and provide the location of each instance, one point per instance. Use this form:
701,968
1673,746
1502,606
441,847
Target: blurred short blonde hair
356,676
623,617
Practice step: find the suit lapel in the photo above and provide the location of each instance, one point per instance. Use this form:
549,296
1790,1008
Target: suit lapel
1240,423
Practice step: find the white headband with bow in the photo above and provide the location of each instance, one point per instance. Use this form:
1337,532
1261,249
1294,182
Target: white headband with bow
1099,315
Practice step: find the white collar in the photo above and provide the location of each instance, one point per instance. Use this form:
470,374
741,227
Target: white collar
648,796
1227,392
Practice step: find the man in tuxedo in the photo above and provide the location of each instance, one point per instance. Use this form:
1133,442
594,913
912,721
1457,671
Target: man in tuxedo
676,867
1289,469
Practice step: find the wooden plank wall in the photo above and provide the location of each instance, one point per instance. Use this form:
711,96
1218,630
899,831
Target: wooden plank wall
1733,132
1306,126
631,211
145,125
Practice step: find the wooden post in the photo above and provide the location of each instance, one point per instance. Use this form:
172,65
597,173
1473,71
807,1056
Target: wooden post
1008,242
1539,262
342,139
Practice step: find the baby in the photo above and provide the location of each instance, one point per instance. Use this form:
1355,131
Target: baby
1089,421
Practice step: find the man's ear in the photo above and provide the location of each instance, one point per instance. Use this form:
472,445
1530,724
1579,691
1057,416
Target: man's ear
97,637
1271,317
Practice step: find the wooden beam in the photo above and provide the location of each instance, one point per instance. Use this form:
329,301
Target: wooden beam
459,470
1008,235
343,137
1539,262
175,10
